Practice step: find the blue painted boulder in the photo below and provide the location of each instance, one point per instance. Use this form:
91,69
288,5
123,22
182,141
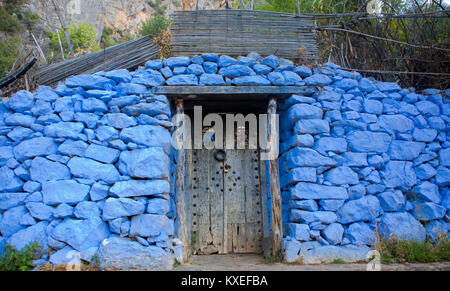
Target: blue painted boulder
401,225
43,170
211,80
150,225
90,82
361,233
364,209
90,169
427,211
299,231
123,254
21,101
136,188
73,192
116,208
333,233
81,234
34,234
392,200
366,141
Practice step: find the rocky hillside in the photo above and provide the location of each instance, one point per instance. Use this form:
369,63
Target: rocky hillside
120,15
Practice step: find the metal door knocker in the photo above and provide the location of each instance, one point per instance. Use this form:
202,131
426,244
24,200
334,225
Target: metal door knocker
220,155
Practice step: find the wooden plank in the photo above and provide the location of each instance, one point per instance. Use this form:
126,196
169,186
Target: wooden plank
193,92
190,218
123,56
207,203
243,202
275,192
253,207
180,187
217,204
201,208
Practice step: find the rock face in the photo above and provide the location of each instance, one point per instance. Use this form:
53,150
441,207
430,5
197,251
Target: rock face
90,164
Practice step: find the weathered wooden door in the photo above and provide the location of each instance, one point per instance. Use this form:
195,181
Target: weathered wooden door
226,202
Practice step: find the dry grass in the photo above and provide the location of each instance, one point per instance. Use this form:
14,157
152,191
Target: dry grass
394,250
162,40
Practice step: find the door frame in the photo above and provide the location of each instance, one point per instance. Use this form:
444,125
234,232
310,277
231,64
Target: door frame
272,222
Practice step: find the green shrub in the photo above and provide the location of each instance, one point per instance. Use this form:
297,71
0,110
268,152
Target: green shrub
9,49
14,260
83,38
339,261
13,17
155,25
404,251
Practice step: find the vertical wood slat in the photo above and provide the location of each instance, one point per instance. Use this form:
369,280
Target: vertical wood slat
216,205
237,32
275,192
200,207
179,184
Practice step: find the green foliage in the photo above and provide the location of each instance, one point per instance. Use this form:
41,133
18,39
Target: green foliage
13,17
338,261
271,259
82,36
14,6
176,264
28,18
9,49
14,260
309,6
8,22
157,6
403,251
154,25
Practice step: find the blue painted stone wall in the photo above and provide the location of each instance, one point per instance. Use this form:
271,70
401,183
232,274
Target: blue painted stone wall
362,156
91,160
87,161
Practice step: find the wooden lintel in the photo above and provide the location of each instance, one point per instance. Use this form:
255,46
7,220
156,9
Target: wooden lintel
205,92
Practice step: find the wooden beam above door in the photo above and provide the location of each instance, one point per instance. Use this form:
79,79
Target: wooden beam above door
231,92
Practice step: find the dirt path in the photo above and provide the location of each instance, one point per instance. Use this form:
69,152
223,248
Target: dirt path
235,262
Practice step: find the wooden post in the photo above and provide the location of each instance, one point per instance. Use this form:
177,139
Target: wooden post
60,46
39,48
275,192
179,183
298,7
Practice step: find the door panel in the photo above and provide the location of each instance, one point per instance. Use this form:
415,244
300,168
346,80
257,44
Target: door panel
206,217
226,213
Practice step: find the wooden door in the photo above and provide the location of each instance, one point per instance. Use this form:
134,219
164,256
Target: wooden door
225,202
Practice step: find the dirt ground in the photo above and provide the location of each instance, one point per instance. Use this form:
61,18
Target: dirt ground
249,262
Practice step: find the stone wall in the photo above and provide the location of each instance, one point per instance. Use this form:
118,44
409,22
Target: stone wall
360,158
88,169
87,161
